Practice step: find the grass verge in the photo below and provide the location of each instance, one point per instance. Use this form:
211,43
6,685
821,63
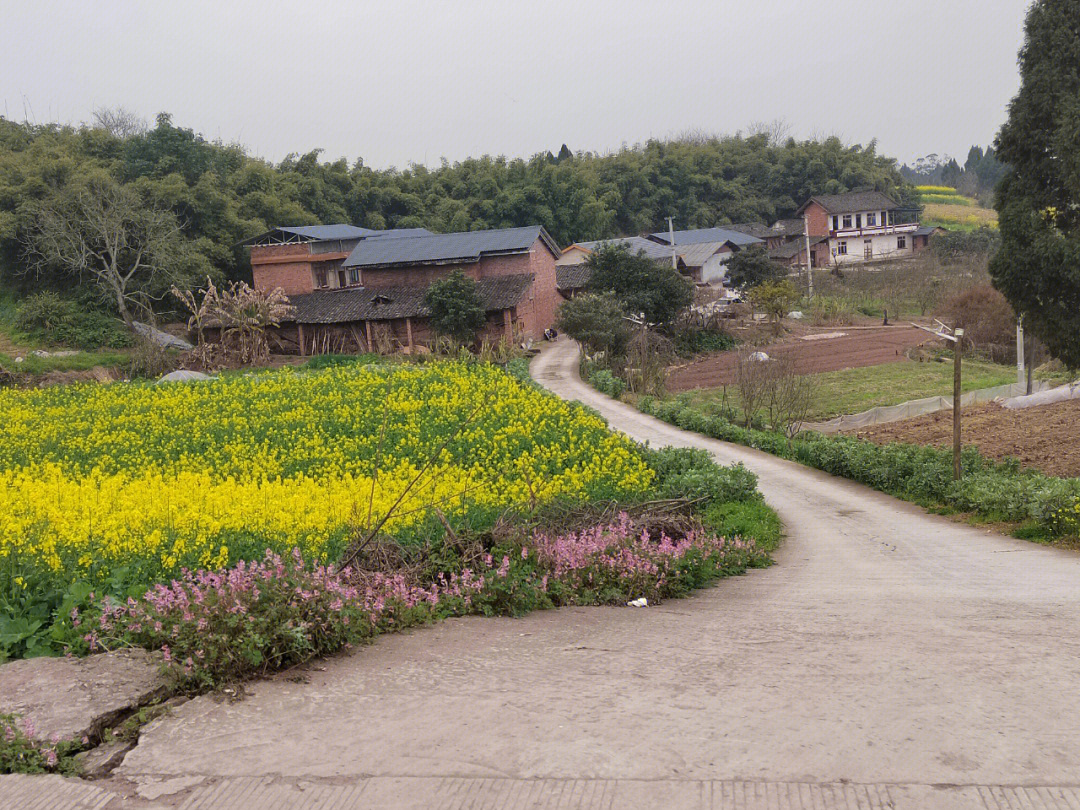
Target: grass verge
858,389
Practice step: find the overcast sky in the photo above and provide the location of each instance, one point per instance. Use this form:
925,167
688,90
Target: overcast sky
397,81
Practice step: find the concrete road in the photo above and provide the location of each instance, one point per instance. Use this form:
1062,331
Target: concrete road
891,659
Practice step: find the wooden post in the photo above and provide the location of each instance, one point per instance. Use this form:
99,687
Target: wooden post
508,326
957,352
408,334
367,332
300,337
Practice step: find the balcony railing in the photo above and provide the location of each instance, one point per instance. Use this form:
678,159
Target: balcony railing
875,230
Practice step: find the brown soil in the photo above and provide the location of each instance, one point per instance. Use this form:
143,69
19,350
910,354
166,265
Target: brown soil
1045,438
860,346
98,374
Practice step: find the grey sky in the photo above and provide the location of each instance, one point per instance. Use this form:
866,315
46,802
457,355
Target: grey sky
399,81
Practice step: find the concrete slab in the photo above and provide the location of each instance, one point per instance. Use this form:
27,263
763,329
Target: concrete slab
77,697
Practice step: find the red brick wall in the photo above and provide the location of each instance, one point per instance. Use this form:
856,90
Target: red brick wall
818,220
268,271
536,310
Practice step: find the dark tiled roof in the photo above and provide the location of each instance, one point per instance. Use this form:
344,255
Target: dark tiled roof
572,276
447,248
697,235
758,229
794,248
402,301
853,201
928,230
788,227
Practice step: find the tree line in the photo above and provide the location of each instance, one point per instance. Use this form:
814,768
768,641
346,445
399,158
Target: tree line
218,194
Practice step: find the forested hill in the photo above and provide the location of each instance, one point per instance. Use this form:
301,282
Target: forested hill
222,195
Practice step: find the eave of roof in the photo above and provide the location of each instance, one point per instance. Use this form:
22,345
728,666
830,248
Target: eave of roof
394,302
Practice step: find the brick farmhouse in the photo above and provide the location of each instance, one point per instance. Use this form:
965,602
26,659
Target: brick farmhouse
861,226
356,289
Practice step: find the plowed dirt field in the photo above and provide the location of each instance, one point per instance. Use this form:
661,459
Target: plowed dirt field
1045,438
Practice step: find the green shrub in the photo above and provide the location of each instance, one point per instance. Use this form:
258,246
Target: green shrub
321,361
518,368
691,342
607,383
688,473
920,474
52,319
751,518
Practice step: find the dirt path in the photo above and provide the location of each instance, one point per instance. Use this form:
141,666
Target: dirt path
891,660
857,347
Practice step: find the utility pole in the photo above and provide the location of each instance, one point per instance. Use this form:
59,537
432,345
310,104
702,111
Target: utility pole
671,239
809,264
957,339
1020,350
957,352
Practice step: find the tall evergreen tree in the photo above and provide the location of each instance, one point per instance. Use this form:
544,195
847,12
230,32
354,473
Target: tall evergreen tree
1038,266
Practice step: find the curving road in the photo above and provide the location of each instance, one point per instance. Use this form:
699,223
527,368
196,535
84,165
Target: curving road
891,659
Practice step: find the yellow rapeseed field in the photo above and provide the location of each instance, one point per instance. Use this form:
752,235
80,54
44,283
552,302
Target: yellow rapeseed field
128,483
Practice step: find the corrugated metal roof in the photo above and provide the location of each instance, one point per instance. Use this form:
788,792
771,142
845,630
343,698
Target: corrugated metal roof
447,247
634,244
326,232
333,233
402,301
697,254
698,235
853,201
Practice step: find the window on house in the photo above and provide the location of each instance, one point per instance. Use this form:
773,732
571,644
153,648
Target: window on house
871,220
841,248
858,220
836,223
847,220
320,277
901,243
354,275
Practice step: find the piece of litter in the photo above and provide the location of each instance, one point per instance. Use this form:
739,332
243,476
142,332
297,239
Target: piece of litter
642,602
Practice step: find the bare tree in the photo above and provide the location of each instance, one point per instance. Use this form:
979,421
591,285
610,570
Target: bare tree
774,386
119,123
776,131
107,232
788,395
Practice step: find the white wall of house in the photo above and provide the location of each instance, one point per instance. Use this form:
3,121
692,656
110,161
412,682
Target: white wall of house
714,270
863,220
882,247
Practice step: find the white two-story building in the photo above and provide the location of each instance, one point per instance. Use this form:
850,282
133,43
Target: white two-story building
862,226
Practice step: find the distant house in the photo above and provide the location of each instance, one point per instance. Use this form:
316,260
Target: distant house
573,274
356,289
792,253
697,256
704,252
862,226
303,258
698,235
